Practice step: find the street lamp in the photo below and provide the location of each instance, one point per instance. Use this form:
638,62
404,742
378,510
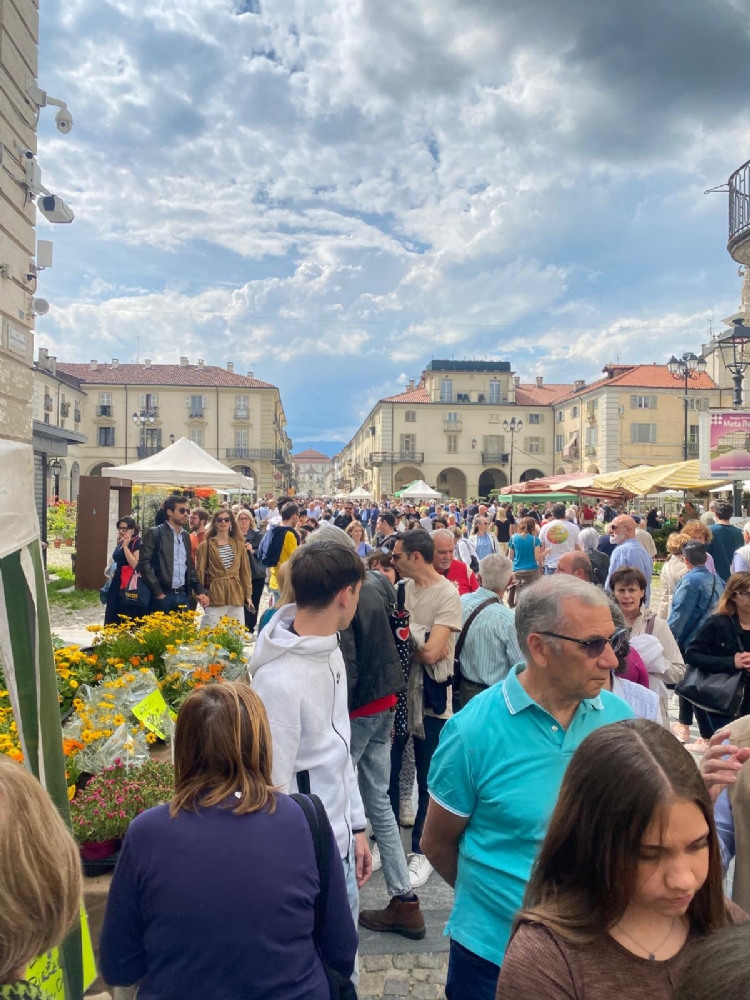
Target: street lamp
56,470
689,366
512,426
143,418
735,355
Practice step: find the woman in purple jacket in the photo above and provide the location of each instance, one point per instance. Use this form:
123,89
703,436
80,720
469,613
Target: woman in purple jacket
214,894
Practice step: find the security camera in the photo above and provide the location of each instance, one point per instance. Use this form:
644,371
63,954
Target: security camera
40,307
64,121
54,209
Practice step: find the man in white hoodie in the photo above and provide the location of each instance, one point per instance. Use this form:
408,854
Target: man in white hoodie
299,672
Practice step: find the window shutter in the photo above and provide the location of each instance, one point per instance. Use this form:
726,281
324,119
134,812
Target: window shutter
187,401
633,402
526,444
541,418
634,433
541,445
205,402
653,402
143,401
653,433
154,398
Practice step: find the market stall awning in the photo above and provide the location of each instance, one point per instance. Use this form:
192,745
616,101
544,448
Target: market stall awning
645,479
576,484
182,463
571,445
420,491
359,494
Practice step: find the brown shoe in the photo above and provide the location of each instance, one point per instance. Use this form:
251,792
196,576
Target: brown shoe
399,917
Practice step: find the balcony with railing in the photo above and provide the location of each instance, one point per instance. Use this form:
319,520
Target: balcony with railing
254,454
77,415
65,409
104,410
49,404
738,244
452,426
692,449
495,457
391,457
145,450
197,413
241,414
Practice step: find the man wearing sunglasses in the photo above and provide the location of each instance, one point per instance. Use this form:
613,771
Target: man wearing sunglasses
166,563
497,771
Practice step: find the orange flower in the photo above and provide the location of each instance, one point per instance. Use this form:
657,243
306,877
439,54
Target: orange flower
135,660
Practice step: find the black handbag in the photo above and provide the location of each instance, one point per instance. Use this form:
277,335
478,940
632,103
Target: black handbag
714,692
340,987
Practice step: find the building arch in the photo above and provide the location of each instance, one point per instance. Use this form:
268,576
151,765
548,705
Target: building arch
531,474
560,471
96,469
491,479
593,470
452,482
405,475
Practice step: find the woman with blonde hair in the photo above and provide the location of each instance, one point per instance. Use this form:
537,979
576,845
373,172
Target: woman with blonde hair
698,532
41,884
672,571
222,566
357,534
214,894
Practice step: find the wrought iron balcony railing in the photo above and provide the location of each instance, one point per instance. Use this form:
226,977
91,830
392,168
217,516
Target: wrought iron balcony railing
739,214
495,457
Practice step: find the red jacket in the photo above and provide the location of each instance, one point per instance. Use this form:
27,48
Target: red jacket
463,578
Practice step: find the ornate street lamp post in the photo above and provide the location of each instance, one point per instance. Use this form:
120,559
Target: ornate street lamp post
689,366
512,426
143,418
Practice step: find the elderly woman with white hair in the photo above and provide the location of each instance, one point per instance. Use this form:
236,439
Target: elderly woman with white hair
588,540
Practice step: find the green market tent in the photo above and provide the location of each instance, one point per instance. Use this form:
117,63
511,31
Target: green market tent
26,654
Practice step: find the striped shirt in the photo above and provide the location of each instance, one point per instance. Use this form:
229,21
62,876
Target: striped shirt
491,647
227,555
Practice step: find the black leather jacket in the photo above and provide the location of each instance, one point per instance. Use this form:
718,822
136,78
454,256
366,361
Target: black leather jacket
373,667
157,560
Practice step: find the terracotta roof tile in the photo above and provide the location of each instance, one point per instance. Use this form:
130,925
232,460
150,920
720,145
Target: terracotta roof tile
641,377
311,455
545,395
189,375
418,395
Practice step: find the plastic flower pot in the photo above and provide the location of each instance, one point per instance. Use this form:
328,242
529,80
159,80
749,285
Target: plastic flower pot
98,850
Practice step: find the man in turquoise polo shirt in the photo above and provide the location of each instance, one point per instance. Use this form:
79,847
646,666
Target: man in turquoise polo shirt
497,771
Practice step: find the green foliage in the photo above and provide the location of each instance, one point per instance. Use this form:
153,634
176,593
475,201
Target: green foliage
61,519
111,801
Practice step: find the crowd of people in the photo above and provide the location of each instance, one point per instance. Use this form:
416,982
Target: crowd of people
504,670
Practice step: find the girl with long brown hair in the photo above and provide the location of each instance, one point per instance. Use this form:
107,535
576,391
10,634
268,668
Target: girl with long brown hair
214,894
222,566
629,877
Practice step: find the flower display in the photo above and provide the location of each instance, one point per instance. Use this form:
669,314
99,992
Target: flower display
107,805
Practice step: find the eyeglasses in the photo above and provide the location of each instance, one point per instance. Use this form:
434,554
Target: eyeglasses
595,647
126,528
182,510
223,520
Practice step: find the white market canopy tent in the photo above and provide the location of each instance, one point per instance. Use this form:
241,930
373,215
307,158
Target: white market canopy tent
182,463
420,491
359,494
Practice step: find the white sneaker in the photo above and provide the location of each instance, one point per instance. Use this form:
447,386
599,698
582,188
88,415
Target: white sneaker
420,870
376,862
406,813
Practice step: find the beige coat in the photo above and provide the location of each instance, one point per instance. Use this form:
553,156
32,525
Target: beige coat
231,586
672,572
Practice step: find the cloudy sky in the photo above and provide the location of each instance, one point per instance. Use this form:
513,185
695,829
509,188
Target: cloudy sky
336,191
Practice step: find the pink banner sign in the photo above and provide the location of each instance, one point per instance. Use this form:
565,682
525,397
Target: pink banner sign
730,445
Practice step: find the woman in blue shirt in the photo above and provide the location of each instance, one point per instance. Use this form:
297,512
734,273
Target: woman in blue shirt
526,550
481,541
214,894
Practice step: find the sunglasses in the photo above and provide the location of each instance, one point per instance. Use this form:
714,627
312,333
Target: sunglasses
595,647
182,510
223,520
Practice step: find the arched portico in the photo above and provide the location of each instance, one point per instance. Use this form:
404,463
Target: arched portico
452,482
491,479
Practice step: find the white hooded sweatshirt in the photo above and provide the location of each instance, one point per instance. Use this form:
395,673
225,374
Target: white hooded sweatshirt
302,682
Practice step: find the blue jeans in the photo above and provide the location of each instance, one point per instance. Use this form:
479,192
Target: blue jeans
371,755
172,602
469,976
716,721
423,751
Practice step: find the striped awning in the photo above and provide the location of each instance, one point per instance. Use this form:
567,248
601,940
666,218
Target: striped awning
645,478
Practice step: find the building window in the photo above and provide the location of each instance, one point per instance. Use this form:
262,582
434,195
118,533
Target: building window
559,442
496,418
698,403
643,433
149,400
453,444
534,446
196,405
560,416
196,435
693,434
408,442
592,434
446,390
106,437
643,402
105,399
410,416
494,392
241,437
452,418
242,403
535,418
573,412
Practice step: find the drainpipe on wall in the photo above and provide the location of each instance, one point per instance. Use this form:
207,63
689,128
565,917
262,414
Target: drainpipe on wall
127,426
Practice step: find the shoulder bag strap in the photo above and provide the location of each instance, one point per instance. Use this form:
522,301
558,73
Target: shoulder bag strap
312,807
468,623
650,623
